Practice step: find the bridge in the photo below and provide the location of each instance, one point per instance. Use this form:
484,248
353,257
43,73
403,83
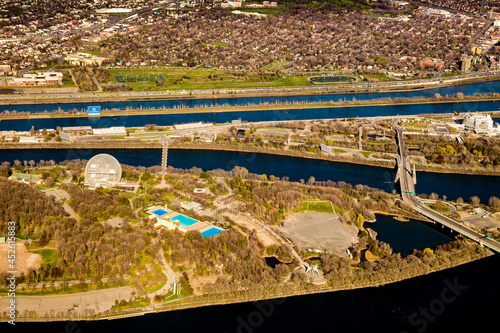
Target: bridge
407,180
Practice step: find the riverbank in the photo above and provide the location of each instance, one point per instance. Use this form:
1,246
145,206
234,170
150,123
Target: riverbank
452,259
399,101
304,91
250,149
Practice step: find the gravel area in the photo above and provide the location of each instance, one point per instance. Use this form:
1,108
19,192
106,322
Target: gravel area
320,231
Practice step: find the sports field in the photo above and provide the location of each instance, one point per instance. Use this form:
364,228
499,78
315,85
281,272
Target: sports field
188,79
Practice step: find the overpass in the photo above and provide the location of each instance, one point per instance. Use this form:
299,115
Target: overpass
406,181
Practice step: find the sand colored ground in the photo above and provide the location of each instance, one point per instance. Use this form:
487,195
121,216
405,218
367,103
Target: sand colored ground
98,300
320,231
24,261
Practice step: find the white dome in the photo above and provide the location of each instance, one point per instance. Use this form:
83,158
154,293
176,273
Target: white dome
103,170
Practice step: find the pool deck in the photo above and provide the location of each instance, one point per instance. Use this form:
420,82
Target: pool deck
169,217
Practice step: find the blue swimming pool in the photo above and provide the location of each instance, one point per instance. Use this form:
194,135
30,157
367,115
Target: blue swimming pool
160,212
211,232
184,221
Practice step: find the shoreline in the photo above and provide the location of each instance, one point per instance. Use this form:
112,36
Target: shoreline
246,149
243,108
323,90
236,300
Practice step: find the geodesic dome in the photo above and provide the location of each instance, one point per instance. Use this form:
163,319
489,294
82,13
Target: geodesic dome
103,170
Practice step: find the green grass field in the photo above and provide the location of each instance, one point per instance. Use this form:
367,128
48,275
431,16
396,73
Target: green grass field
188,79
49,256
333,79
366,153
138,78
314,206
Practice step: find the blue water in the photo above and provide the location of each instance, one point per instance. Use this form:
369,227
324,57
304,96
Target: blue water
250,116
184,221
160,212
391,308
210,232
296,169
403,237
468,89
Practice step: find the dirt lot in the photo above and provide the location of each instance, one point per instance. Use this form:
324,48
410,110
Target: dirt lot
23,260
320,231
98,300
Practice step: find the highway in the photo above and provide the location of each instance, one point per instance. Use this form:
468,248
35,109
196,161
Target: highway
413,201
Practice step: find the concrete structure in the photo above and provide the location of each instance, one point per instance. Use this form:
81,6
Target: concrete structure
30,139
113,10
325,149
26,177
120,130
40,79
466,63
84,59
193,126
191,206
103,170
432,62
408,195
164,158
479,124
77,129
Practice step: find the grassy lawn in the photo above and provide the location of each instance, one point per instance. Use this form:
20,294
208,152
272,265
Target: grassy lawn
314,206
380,77
439,207
366,153
49,256
188,79
93,52
421,124
275,65
219,44
340,151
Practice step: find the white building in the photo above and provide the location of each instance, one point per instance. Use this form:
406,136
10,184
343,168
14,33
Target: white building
120,130
479,124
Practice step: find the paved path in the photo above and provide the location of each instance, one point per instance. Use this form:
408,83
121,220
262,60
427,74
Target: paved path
63,196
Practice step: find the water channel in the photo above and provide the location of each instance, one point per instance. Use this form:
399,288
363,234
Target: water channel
467,89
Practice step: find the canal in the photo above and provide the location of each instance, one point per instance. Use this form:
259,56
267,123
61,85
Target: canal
297,169
249,116
467,89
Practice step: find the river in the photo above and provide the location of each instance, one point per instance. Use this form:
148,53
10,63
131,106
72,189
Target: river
250,116
467,89
470,306
451,185
426,303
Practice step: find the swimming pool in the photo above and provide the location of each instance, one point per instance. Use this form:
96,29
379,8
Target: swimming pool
211,232
160,212
184,221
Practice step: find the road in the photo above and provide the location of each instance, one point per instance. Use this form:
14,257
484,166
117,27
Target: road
413,201
413,84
